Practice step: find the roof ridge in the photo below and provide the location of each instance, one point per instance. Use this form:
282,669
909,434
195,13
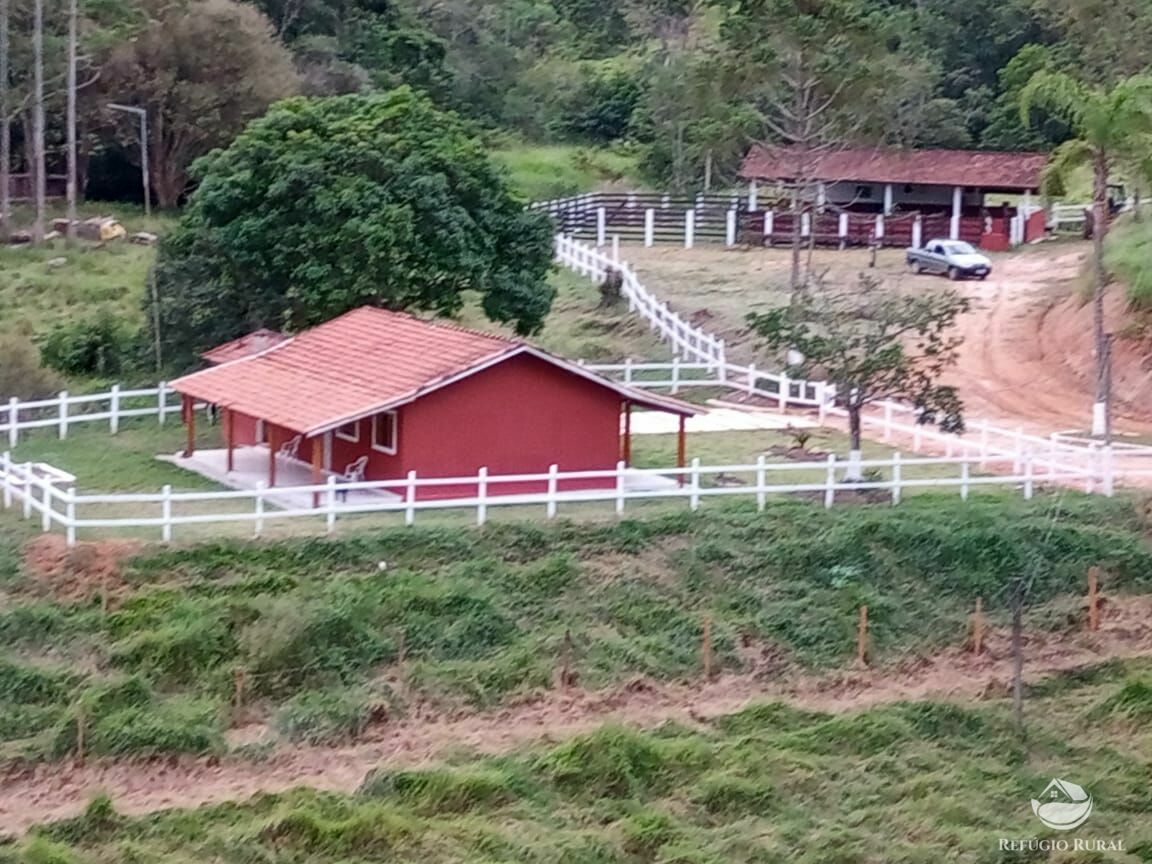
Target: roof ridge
442,323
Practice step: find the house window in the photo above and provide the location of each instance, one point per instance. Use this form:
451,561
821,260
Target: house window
349,431
384,432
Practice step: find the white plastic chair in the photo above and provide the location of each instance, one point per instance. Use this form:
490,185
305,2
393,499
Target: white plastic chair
291,449
353,473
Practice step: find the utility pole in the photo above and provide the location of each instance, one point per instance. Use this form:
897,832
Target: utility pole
72,192
144,169
38,161
1106,384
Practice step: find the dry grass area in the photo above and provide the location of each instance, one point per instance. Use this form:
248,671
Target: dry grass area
717,287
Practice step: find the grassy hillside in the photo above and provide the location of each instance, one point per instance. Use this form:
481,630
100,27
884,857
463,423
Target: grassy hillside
908,782
539,172
317,625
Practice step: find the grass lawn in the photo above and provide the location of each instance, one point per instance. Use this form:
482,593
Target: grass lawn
540,172
36,296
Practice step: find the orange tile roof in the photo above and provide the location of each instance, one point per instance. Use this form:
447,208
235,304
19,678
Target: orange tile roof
245,346
363,362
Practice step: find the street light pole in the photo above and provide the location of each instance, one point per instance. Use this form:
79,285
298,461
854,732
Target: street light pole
144,170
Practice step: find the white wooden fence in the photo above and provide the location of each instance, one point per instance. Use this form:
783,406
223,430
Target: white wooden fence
40,496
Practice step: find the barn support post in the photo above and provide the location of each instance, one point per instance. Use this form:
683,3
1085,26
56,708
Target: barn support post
317,467
271,455
917,232
887,199
752,195
189,423
626,440
681,447
957,202
230,438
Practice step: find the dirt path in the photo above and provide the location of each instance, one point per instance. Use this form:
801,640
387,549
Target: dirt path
1027,354
50,792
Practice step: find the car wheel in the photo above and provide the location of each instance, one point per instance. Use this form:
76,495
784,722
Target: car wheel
953,273
983,276
916,268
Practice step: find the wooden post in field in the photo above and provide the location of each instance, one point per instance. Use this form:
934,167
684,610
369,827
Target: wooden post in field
81,729
706,653
978,627
567,676
1093,598
239,684
862,637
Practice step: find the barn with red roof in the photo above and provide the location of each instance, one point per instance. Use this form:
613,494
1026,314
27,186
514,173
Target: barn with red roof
374,395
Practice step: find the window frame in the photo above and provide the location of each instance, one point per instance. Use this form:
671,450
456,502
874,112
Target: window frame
353,437
392,418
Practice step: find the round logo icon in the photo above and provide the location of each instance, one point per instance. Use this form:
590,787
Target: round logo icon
1062,805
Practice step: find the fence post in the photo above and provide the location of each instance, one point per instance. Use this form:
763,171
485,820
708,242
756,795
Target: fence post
730,229
63,411
114,410
166,509
964,480
620,466
6,470
482,494
161,401
1109,478
601,227
822,398
553,488
751,388
896,472
13,422
675,374
27,471
843,230
410,498
1027,476
258,526
805,224
689,228
627,370
615,248
830,482
769,226
761,482
70,515
917,233
47,504
330,505
879,227
649,227
694,487
784,394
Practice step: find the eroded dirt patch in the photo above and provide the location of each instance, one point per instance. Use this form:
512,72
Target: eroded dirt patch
87,570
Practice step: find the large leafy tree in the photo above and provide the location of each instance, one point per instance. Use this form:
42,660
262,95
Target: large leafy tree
201,69
872,343
1111,125
328,204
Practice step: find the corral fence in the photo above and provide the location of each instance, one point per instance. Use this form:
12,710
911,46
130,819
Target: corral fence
43,497
654,219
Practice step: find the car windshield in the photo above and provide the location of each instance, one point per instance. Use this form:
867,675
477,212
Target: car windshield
959,248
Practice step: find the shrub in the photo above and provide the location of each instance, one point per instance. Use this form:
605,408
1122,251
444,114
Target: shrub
21,372
322,717
101,347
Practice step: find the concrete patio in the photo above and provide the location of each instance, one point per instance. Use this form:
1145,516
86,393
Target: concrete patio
250,467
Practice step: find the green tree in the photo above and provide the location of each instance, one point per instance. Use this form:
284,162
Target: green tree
327,204
1110,125
201,69
872,344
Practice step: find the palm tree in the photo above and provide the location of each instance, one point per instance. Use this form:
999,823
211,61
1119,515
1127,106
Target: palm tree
1110,124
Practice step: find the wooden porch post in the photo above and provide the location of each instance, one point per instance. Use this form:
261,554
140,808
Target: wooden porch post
317,467
626,443
271,455
681,447
229,436
189,411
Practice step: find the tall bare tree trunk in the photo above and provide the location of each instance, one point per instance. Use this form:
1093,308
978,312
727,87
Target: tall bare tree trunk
72,192
1100,216
5,127
39,179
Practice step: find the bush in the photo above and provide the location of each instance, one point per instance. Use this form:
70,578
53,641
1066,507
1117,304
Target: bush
102,347
21,372
321,717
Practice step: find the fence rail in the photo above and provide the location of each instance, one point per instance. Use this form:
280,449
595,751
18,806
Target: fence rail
40,496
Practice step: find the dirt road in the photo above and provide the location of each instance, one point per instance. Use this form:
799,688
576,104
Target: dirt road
51,792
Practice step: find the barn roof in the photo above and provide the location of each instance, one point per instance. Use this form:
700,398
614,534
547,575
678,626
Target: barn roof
973,168
367,361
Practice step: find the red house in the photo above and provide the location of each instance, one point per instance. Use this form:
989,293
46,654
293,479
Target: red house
374,395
